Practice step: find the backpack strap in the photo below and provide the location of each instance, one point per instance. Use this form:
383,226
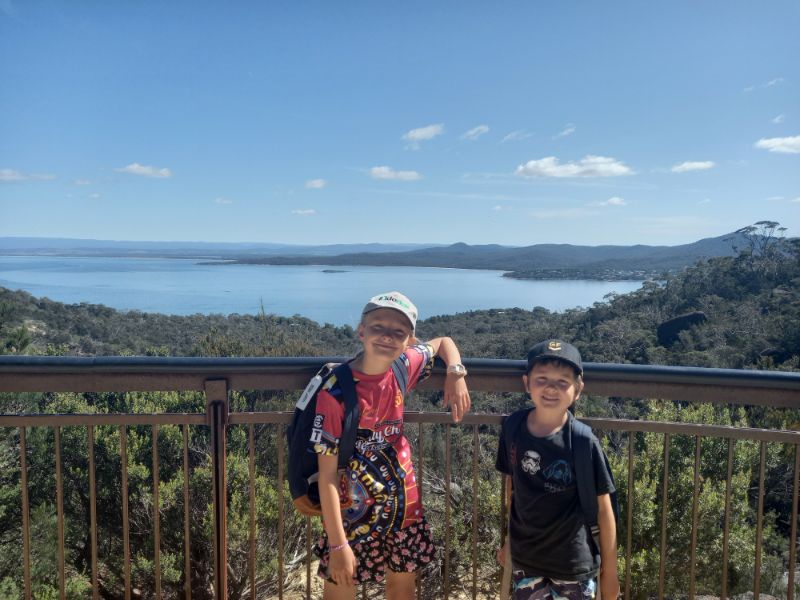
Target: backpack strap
347,442
400,370
511,425
581,437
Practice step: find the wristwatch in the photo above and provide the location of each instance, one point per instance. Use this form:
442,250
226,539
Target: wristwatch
457,369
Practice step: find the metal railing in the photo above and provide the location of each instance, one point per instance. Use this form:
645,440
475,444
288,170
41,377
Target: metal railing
217,378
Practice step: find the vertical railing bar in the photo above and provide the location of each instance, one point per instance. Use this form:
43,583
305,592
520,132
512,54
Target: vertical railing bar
695,499
62,580
93,510
629,515
156,514
475,491
217,408
281,512
187,563
447,511
26,525
759,519
793,534
727,524
126,535
662,569
421,449
252,476
308,558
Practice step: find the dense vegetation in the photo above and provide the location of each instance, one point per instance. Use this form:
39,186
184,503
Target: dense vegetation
751,304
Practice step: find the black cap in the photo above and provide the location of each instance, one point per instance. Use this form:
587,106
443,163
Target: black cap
555,349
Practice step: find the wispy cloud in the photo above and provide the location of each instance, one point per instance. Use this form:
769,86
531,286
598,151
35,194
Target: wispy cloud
223,200
565,213
385,172
705,201
588,166
783,145
501,208
795,200
569,129
145,171
304,212
95,196
12,175
767,84
474,133
316,184
775,81
422,134
516,136
693,165
82,182
774,198
779,119
613,201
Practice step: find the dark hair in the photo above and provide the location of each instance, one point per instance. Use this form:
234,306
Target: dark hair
557,362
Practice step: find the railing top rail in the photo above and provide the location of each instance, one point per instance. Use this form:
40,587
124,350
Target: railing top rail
83,374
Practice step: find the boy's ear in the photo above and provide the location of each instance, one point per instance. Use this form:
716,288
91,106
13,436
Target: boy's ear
578,391
360,331
412,340
525,382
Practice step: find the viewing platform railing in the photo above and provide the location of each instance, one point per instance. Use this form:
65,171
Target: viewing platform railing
218,378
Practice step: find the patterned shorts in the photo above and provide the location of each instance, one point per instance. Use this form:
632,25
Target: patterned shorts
403,551
542,588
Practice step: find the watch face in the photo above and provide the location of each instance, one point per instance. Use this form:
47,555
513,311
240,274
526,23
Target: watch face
457,369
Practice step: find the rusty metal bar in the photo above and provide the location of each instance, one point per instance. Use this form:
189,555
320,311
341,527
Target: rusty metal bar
26,524
421,454
629,515
93,511
759,520
695,500
281,512
726,528
793,534
83,420
447,496
662,569
475,491
251,462
187,562
156,515
217,413
126,534
308,558
62,580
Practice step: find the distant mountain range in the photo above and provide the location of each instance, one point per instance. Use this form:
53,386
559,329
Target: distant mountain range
540,261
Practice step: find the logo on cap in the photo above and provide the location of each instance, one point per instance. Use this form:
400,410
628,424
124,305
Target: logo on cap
555,345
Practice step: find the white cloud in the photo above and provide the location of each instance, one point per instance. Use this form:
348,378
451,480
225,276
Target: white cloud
475,132
516,136
774,198
389,173
779,119
500,208
784,145
705,201
613,201
749,88
775,81
422,134
684,167
95,196
795,200
567,213
82,182
588,166
223,200
304,212
9,175
145,171
316,184
569,129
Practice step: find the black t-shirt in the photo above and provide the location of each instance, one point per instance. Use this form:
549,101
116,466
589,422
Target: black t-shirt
549,536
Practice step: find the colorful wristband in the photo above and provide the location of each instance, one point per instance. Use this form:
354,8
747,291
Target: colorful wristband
339,547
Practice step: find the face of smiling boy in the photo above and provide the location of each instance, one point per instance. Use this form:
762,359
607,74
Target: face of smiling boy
384,333
553,387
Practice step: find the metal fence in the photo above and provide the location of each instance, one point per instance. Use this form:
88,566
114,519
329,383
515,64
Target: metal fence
218,378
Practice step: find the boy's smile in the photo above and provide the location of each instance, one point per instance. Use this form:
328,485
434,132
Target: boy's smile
553,388
384,333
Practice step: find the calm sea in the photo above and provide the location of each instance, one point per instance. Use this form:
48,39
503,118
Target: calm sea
183,287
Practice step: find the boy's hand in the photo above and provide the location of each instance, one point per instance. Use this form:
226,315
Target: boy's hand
342,566
609,584
501,554
456,396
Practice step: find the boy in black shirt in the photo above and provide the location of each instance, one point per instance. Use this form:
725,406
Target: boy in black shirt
552,551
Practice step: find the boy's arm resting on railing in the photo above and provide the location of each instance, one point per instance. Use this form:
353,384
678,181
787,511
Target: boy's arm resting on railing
342,565
609,580
456,394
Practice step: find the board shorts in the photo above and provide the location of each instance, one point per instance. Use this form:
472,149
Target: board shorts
406,550
541,588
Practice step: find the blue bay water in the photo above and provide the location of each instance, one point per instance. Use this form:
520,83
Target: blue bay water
184,287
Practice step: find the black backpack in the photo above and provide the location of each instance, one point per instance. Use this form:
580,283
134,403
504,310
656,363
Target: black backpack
302,463
581,439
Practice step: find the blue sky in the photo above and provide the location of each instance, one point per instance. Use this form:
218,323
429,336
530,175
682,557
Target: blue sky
328,122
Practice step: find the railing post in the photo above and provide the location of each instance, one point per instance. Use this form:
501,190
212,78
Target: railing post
217,417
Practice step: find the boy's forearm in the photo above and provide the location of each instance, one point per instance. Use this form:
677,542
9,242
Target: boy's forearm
446,349
329,500
608,536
